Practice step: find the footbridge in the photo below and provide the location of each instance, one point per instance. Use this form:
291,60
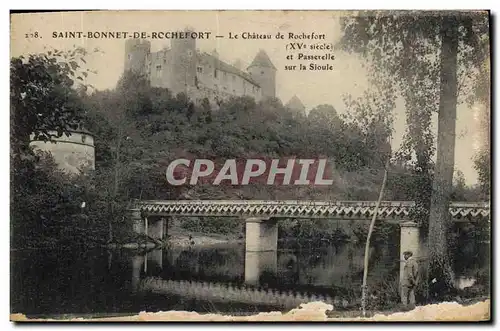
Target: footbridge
261,216
358,210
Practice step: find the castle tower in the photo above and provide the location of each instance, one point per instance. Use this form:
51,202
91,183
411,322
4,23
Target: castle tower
136,55
184,61
263,72
296,105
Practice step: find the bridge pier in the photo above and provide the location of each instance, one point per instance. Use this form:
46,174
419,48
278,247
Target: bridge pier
138,224
155,260
259,263
410,241
154,226
261,246
157,227
137,263
261,235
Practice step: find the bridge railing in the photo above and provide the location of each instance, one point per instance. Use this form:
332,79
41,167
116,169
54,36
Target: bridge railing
391,210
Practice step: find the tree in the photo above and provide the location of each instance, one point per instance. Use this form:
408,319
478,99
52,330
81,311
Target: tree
401,48
38,80
367,244
372,114
482,164
324,113
459,187
44,104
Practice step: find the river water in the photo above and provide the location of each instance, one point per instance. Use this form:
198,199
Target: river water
99,282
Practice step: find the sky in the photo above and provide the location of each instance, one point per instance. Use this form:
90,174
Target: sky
312,87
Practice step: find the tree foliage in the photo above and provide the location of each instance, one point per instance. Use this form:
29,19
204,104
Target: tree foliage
430,60
140,129
42,97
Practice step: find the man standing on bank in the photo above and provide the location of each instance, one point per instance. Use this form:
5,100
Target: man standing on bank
410,280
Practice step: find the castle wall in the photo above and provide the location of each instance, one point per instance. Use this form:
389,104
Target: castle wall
221,83
73,153
266,77
160,69
236,85
182,69
136,55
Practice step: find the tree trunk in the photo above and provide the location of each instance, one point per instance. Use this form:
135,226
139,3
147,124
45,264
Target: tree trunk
440,270
115,181
364,289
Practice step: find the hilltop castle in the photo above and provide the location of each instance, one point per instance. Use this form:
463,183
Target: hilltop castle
182,68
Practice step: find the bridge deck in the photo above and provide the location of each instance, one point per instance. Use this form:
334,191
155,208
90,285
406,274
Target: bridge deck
361,210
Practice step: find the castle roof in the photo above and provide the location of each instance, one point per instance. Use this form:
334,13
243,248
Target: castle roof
223,66
262,60
295,104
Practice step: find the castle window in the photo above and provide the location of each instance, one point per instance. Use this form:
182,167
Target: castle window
84,137
262,72
158,70
190,53
199,70
215,73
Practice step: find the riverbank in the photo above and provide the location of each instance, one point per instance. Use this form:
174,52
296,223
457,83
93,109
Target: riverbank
183,240
307,312
179,237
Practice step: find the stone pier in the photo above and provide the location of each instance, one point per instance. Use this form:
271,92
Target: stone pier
155,260
156,227
410,241
261,246
138,224
261,235
259,263
137,264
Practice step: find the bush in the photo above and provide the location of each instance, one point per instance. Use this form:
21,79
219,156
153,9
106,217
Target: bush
384,294
221,225
311,230
46,204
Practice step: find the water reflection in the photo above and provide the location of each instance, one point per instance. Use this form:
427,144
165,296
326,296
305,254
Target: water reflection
197,279
260,267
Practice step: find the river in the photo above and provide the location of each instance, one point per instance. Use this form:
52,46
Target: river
100,282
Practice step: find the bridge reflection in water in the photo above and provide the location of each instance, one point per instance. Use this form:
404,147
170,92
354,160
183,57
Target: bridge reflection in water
281,280
261,218
260,265
268,278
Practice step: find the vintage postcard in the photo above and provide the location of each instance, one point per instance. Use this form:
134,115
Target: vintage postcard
250,166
